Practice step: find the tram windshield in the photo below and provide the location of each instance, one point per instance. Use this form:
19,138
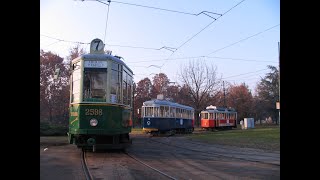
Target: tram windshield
95,85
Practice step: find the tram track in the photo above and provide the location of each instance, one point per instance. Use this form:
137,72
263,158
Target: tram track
145,164
84,166
156,161
89,175
206,153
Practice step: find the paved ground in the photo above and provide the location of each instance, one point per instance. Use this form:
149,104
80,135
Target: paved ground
175,156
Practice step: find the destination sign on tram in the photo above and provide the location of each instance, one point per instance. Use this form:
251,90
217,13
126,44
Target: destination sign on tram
95,64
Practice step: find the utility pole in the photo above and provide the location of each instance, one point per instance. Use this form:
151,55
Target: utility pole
224,96
279,79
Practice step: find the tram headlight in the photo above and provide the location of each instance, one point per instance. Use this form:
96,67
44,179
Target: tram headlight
93,122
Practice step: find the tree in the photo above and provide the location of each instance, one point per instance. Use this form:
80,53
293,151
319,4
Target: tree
50,89
173,92
142,94
184,97
201,82
54,93
268,92
160,85
240,98
75,52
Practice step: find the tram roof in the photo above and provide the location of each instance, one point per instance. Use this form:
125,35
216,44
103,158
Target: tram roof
159,102
219,109
102,57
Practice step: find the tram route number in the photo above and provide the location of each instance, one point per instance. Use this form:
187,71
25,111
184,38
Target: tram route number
93,112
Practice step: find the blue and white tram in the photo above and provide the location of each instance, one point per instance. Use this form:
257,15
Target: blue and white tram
160,116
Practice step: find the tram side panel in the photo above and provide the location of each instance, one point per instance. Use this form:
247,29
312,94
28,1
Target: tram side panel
155,124
184,125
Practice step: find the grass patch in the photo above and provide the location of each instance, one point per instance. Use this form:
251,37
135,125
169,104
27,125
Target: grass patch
260,138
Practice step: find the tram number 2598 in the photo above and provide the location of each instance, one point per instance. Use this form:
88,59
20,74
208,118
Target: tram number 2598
93,112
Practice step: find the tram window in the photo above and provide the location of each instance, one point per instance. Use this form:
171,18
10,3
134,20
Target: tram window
179,115
161,111
142,111
115,66
76,75
115,83
129,90
95,85
166,111
99,84
125,88
172,112
156,111
149,111
211,116
182,113
86,86
204,115
188,114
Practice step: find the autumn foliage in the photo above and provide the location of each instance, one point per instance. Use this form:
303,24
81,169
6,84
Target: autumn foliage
199,87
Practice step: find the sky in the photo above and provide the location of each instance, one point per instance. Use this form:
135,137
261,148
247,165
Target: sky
238,37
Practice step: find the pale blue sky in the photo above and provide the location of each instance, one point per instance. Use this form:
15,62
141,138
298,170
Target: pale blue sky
241,43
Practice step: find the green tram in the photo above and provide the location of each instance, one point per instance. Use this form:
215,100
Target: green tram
101,98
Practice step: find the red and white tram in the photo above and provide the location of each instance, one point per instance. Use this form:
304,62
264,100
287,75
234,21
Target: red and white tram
218,118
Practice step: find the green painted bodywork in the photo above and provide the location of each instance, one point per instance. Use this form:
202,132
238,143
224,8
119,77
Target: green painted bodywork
114,118
110,119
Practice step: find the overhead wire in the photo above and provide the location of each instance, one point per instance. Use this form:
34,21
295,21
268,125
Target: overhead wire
62,40
139,47
230,76
244,73
164,47
243,39
52,43
105,31
168,10
207,26
234,59
173,50
202,30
